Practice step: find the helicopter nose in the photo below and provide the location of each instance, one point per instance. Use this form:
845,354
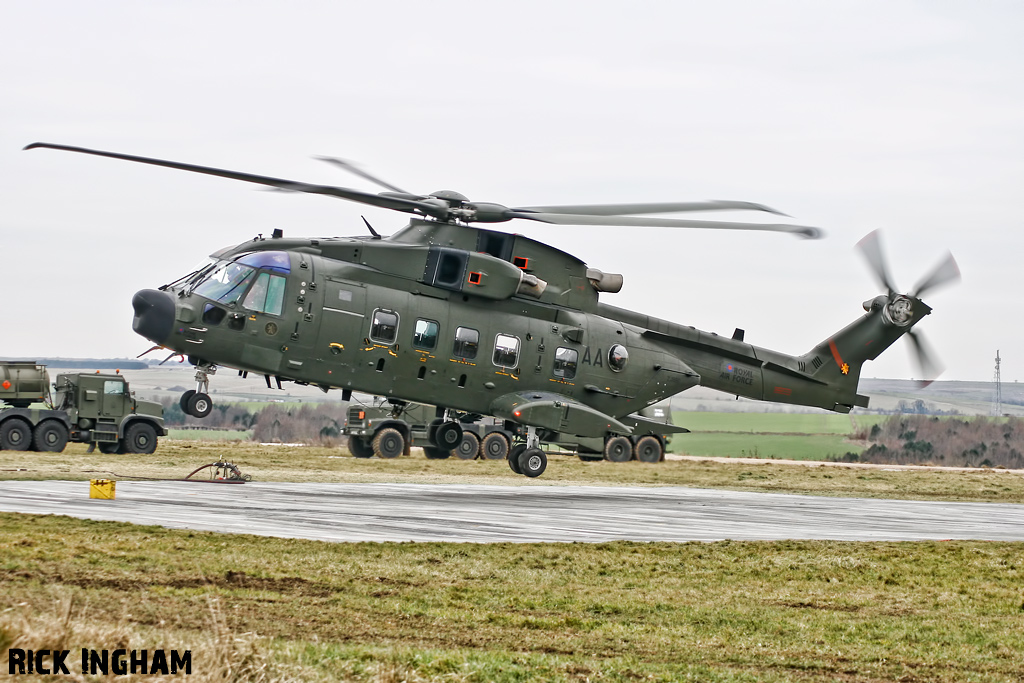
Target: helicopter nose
154,314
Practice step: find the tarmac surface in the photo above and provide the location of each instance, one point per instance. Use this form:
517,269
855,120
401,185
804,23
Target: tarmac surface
483,514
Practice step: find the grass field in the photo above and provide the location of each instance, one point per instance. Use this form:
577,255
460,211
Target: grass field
773,423
776,446
264,609
209,434
792,436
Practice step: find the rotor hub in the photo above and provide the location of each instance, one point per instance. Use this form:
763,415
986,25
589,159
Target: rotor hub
900,311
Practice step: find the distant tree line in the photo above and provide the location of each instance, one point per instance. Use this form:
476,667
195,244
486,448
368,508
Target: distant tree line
223,416
921,440
312,423
93,363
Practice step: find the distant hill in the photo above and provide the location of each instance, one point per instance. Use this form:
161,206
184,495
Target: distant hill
91,363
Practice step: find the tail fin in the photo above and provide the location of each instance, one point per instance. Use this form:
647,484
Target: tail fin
838,360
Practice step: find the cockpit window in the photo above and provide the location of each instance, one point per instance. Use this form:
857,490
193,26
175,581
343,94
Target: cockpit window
227,283
276,261
266,295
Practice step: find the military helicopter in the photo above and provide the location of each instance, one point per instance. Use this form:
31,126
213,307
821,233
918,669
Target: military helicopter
475,320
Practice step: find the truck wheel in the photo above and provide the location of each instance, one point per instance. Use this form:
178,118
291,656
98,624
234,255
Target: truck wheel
15,435
618,449
533,462
648,449
185,398
435,453
199,405
388,443
358,447
494,446
140,437
50,436
513,457
468,448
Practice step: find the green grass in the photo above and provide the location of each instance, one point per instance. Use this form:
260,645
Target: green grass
776,446
728,611
764,423
784,436
209,434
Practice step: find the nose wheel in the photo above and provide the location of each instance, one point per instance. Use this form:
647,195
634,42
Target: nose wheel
197,402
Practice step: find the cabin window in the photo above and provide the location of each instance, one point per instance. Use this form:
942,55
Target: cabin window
266,295
506,351
384,328
467,342
565,362
425,334
617,357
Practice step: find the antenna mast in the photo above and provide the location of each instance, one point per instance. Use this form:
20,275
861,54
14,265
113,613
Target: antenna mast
997,402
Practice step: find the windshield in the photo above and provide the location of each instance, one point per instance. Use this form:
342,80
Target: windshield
226,283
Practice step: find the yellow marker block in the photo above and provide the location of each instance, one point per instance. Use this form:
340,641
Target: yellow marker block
102,488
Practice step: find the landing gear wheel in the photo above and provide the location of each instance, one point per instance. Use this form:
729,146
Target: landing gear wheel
448,435
199,405
358,447
185,398
110,448
648,449
468,448
50,436
618,449
513,457
533,462
494,446
15,435
140,437
388,443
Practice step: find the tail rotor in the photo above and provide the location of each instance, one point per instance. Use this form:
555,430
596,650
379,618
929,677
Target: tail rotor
906,310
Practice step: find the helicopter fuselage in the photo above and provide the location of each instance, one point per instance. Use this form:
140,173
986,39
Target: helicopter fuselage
460,317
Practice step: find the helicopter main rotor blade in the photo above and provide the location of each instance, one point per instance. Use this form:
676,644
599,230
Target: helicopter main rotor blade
570,219
383,201
355,170
871,247
927,364
946,272
655,207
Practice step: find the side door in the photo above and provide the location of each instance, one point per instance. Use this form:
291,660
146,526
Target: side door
114,398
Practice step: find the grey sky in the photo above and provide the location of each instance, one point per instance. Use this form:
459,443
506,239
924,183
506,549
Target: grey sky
905,116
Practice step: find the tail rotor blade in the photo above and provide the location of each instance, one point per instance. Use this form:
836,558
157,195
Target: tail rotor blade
946,272
928,365
871,247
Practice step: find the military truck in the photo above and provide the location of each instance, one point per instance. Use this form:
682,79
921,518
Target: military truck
387,430
97,409
652,432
